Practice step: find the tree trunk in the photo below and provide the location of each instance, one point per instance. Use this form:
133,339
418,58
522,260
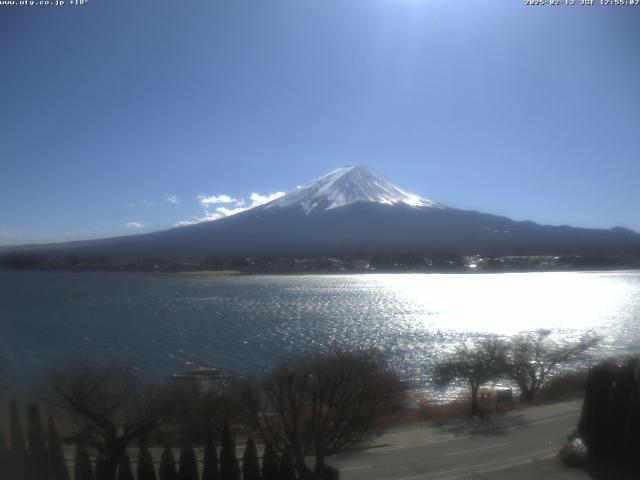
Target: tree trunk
319,464
528,394
527,391
474,401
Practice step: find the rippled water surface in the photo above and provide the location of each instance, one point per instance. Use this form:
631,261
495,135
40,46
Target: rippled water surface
166,323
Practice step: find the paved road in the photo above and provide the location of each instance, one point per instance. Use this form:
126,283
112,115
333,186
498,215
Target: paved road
510,441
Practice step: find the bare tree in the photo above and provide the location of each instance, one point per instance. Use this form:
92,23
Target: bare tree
108,407
475,365
321,406
202,414
533,357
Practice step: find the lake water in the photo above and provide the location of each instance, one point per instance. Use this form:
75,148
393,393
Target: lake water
169,323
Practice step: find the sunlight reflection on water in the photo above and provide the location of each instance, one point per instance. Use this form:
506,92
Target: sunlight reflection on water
509,303
165,323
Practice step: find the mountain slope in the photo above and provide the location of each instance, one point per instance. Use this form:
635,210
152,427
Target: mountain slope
352,211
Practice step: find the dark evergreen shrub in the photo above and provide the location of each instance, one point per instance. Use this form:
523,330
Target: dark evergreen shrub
210,461
103,471
168,466
146,470
270,469
229,468
57,464
37,448
4,456
188,469
15,430
287,472
125,472
250,466
18,462
82,469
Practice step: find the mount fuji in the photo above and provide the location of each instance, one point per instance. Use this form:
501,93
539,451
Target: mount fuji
345,186
353,211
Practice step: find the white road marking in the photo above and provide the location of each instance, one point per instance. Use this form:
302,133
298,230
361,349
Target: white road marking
471,450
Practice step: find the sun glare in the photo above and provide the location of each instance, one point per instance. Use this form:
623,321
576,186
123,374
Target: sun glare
509,303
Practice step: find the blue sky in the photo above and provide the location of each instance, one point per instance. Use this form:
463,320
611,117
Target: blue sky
125,116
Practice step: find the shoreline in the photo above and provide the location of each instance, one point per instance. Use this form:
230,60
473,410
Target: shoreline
222,273
208,273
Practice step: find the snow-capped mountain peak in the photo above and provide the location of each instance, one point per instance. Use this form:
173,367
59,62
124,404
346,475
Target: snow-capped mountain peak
348,185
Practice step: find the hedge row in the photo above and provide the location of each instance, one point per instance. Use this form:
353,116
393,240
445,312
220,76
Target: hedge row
39,456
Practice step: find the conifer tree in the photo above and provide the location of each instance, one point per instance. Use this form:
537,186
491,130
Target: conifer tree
146,471
18,463
57,464
82,469
37,448
250,465
168,465
102,471
229,468
125,472
270,469
18,448
210,461
286,469
4,455
105,470
188,465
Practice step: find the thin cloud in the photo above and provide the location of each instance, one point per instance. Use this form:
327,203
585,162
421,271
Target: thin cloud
257,199
227,212
172,199
134,225
142,203
208,217
240,205
184,223
207,201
